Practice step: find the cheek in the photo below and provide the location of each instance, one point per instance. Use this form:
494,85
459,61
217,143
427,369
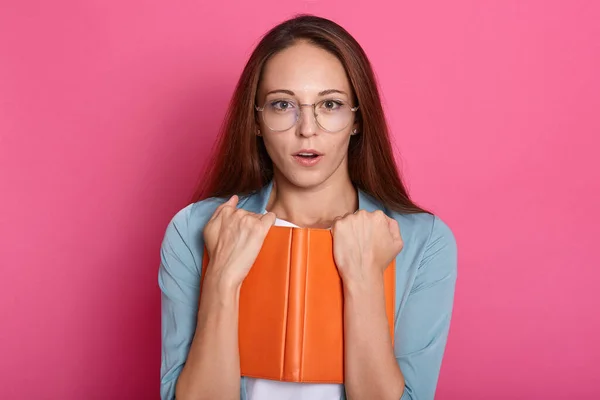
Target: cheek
276,145
340,146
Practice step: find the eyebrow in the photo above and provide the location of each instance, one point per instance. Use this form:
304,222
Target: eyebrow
322,93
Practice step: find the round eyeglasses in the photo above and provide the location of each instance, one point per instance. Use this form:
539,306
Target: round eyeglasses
331,115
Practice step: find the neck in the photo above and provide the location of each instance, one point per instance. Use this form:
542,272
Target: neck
314,207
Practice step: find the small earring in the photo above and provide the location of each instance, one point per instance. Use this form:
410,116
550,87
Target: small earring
355,131
258,132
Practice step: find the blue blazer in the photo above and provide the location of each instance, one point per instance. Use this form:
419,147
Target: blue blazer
425,282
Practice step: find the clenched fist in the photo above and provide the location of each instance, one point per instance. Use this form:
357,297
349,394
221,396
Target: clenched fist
364,243
233,238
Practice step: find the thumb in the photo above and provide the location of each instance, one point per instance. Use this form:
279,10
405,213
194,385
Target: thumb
233,201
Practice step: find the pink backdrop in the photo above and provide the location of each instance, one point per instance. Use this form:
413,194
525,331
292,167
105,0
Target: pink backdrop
108,109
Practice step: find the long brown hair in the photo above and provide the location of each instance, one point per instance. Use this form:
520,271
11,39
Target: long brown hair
241,164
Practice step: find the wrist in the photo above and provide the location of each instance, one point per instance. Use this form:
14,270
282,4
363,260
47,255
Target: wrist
219,285
367,280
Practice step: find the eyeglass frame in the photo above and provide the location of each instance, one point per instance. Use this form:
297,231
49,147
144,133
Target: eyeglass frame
300,105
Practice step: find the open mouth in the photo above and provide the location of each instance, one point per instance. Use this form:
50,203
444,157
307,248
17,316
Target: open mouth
307,155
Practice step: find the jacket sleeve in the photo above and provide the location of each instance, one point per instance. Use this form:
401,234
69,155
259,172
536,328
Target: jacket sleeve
423,325
179,282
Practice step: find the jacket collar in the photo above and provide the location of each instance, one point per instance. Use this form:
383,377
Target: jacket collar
257,202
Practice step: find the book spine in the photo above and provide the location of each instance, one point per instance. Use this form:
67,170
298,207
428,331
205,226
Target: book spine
295,316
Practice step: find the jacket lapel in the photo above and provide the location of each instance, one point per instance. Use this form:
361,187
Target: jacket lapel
257,202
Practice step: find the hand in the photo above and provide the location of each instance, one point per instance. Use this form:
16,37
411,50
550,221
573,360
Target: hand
364,244
233,238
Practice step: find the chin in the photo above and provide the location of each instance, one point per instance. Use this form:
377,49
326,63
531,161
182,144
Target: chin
306,179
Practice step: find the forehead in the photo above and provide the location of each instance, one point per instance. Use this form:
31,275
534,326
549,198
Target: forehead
304,69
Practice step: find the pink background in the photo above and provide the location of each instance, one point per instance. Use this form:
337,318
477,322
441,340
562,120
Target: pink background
108,109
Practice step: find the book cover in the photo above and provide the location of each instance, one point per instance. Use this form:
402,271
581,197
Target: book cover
291,325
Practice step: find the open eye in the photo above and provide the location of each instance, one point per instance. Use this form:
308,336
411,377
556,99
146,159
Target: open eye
331,105
282,105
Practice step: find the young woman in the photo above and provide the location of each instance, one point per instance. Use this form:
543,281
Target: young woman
306,144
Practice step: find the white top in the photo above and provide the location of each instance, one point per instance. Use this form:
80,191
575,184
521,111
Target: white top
263,389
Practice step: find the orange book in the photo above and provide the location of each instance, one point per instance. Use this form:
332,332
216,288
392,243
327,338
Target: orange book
291,309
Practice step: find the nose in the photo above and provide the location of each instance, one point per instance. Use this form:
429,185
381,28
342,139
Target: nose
307,124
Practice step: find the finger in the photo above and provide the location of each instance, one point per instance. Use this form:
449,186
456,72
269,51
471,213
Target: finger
232,201
339,217
337,221
394,229
267,220
379,214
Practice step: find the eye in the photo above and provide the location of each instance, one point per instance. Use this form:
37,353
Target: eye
331,105
281,105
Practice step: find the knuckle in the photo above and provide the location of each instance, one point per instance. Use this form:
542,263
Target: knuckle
238,214
361,214
239,211
249,221
227,210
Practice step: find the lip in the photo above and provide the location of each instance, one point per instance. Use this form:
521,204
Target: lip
312,151
307,162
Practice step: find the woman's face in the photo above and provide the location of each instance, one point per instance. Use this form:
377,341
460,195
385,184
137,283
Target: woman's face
306,74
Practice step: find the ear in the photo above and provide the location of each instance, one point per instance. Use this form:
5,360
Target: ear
355,129
257,131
